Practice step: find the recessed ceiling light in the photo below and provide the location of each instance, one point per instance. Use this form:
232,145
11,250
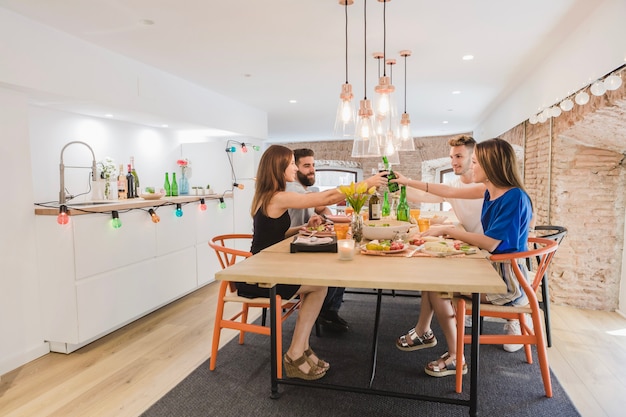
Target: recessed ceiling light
164,125
468,57
445,122
108,115
293,101
456,92
146,22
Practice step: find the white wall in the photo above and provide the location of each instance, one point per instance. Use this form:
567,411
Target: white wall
597,47
20,316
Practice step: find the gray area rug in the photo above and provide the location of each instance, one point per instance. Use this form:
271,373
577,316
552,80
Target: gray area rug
240,385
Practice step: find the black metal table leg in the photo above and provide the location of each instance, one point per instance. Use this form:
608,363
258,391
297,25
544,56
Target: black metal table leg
379,298
476,331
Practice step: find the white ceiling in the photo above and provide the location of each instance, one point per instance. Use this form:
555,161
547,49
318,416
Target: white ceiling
267,52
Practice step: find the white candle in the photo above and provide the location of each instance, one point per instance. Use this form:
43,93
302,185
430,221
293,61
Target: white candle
345,249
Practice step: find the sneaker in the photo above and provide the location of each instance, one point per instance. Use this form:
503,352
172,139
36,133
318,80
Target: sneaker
512,327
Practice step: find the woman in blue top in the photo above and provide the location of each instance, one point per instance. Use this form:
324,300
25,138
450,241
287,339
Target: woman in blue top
271,225
506,218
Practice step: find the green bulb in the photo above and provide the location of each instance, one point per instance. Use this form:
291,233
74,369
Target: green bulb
116,223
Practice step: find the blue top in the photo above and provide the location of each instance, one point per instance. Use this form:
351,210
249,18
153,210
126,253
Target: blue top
507,218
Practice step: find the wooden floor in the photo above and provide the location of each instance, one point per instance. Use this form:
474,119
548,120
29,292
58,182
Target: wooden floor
125,372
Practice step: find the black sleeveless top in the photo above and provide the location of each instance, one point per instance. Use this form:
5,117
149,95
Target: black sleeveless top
268,231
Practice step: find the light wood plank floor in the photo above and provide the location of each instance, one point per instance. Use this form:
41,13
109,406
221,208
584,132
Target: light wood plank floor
125,372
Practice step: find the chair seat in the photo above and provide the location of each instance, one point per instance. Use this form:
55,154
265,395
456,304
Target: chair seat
234,298
487,308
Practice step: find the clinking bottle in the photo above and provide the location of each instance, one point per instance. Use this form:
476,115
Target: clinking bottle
121,184
167,186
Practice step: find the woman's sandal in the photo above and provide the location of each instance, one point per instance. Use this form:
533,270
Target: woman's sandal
448,368
320,362
292,368
411,341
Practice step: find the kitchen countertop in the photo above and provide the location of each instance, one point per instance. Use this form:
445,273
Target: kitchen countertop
78,208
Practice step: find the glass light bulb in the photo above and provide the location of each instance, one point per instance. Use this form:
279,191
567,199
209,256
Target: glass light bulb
567,105
244,148
613,82
597,88
179,211
383,105
555,111
63,218
116,223
202,205
533,119
405,132
346,111
256,147
222,203
155,217
581,98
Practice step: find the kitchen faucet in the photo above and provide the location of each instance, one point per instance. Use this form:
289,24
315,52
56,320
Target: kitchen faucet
94,169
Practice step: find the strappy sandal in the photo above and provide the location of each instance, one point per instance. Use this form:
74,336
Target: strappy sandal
448,368
292,368
320,362
411,341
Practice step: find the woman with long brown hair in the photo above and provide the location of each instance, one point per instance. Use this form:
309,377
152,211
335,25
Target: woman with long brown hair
271,225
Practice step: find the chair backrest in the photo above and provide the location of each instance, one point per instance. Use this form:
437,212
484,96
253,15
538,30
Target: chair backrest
556,233
544,251
228,255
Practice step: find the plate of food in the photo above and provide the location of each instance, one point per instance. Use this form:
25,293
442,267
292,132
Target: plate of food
383,247
324,230
447,247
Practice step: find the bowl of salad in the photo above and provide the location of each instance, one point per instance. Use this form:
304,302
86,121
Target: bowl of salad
384,229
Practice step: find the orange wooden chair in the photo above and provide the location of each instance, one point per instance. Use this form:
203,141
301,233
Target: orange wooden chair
228,294
544,251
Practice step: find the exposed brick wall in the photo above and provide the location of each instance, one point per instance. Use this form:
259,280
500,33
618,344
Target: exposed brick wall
575,173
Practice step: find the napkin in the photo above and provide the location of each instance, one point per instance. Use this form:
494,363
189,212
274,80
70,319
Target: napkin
306,240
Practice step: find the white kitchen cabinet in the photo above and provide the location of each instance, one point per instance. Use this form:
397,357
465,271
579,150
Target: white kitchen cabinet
96,279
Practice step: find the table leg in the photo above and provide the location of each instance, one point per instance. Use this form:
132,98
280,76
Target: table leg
476,332
379,298
273,356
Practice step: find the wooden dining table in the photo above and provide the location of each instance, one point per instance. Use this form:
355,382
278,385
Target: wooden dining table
467,274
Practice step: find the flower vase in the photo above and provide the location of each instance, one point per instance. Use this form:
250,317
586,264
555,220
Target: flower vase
183,184
107,189
357,227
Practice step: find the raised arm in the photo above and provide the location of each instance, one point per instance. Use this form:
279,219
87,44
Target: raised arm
471,192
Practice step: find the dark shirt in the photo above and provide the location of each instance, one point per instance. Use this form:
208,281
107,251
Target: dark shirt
268,231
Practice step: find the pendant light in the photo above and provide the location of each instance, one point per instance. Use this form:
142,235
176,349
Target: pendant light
344,120
384,103
365,139
405,137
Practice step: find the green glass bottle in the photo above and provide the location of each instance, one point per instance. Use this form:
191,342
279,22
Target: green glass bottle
166,186
174,185
392,186
386,207
403,211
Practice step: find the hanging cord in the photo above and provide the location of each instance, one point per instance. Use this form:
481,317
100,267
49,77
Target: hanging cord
405,83
346,13
365,49
384,39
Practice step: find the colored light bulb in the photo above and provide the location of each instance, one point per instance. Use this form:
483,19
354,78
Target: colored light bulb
179,210
63,217
155,217
244,148
115,221
256,147
240,186
222,203
231,149
202,205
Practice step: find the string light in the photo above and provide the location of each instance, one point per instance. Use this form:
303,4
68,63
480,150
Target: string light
63,217
155,217
244,149
222,203
115,220
240,186
179,210
202,205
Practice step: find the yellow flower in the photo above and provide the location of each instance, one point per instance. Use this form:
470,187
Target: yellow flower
356,195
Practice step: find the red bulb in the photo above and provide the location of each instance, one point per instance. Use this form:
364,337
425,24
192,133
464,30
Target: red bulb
63,218
202,205
244,148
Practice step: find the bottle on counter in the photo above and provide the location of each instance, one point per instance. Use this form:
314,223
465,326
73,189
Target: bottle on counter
135,177
393,186
386,207
174,185
121,184
130,184
166,186
374,207
403,211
